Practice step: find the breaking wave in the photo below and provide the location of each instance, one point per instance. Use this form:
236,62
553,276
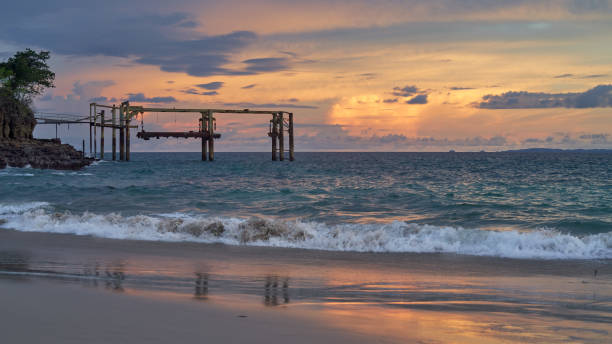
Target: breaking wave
392,237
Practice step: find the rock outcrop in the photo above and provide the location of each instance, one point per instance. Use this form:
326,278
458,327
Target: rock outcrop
41,154
16,119
18,148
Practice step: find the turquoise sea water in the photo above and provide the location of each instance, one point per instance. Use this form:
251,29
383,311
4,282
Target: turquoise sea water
519,205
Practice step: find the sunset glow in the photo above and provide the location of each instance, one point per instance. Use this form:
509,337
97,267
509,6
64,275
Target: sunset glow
338,65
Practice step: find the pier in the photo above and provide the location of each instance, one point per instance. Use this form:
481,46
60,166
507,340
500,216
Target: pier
120,119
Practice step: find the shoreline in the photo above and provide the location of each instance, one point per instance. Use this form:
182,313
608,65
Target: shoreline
313,295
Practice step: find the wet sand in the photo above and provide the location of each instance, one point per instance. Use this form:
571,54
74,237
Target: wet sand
69,289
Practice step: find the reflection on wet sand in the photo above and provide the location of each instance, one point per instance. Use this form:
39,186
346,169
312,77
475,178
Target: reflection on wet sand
13,261
18,265
360,299
273,290
201,286
115,275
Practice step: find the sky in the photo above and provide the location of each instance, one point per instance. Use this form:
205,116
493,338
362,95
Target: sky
384,75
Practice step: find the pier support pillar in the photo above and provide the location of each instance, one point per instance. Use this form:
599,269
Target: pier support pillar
281,137
90,126
95,130
127,139
102,134
122,133
204,129
114,114
211,139
291,148
273,134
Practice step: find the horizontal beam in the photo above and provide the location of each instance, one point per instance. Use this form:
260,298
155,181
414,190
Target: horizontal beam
45,121
103,106
146,135
112,126
247,111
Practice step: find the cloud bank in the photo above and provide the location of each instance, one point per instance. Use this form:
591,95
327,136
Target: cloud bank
140,97
599,96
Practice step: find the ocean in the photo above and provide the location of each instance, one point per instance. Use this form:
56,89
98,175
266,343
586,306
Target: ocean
330,248
513,205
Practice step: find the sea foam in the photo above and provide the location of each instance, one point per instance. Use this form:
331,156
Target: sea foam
391,237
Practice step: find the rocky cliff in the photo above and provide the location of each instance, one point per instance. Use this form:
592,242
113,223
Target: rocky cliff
16,119
41,154
18,148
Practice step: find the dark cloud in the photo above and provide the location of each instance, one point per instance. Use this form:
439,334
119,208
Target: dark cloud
211,93
416,95
167,40
190,91
292,54
419,99
593,136
596,138
140,97
532,140
268,64
270,105
368,76
458,88
248,86
211,85
594,76
599,96
406,91
591,76
170,82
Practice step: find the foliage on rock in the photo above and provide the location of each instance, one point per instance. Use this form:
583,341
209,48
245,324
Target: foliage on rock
26,75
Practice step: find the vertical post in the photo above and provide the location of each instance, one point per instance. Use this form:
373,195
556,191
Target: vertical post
291,148
114,114
122,132
83,151
102,134
274,135
95,118
203,127
127,135
56,131
90,125
281,139
211,139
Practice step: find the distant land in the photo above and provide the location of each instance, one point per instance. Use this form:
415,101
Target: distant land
556,150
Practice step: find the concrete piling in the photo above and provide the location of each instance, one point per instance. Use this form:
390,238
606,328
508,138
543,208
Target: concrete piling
121,133
281,137
274,135
204,130
127,139
102,135
114,114
291,142
211,138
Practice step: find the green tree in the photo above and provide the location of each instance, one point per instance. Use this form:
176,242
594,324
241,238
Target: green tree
26,74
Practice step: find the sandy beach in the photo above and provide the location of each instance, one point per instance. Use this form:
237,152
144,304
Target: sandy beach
69,289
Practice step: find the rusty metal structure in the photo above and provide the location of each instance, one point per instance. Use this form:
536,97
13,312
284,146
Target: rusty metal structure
122,116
